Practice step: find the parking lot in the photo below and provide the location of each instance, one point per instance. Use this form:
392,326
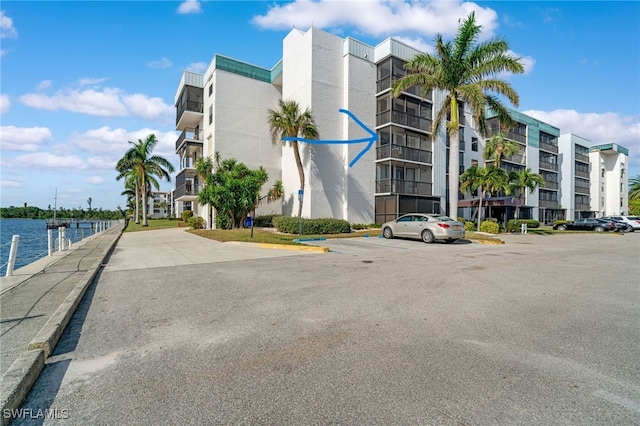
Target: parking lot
540,330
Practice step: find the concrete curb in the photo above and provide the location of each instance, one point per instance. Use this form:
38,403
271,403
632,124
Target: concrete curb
314,249
23,373
18,381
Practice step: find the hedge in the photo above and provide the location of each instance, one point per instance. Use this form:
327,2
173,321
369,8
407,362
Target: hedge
265,221
186,215
290,225
516,225
469,226
195,222
489,227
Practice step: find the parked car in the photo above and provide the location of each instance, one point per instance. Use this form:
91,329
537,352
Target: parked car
621,226
427,227
634,221
597,225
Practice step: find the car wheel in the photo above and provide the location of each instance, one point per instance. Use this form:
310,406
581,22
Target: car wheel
427,236
599,229
561,228
387,232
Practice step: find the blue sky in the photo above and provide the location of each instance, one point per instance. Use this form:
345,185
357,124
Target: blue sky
80,79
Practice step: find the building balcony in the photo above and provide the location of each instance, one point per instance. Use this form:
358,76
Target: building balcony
386,83
548,204
517,137
582,157
403,153
189,136
189,114
398,186
404,119
187,187
551,185
582,207
548,147
582,174
548,166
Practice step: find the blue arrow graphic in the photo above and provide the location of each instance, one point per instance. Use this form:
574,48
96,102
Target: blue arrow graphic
371,140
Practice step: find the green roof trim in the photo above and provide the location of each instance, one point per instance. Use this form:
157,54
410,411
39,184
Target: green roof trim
609,147
247,70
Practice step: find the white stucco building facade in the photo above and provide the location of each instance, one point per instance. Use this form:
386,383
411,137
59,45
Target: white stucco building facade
609,180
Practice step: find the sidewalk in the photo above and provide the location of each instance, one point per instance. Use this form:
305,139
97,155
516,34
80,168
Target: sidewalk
36,304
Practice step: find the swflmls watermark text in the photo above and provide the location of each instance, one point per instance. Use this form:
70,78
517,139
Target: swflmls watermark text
29,413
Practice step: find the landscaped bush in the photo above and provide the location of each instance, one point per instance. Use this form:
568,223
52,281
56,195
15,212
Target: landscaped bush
489,227
469,226
186,215
265,221
560,222
359,226
516,225
290,225
223,221
195,222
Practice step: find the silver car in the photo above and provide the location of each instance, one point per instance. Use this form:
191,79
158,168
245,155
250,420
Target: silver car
427,227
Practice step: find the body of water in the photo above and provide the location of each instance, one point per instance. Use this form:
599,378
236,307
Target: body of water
33,240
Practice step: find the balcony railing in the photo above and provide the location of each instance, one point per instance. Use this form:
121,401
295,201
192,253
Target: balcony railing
549,147
386,82
493,130
398,186
582,157
188,134
583,207
403,153
548,166
404,119
189,105
549,204
551,185
582,174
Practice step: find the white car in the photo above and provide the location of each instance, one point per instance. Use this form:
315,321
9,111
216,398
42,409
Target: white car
634,221
427,227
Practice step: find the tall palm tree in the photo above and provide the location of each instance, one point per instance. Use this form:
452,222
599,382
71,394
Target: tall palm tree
634,188
523,180
204,169
288,121
485,179
497,147
140,163
465,70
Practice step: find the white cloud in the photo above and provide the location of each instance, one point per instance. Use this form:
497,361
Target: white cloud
603,128
43,85
190,6
90,81
11,183
28,139
5,103
162,63
102,102
3,52
43,160
378,17
197,67
7,30
96,180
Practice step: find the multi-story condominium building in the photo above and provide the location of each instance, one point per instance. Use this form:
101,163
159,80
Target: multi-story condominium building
224,111
609,180
159,205
575,183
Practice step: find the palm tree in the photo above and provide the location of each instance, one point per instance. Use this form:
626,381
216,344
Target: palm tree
204,169
523,180
634,188
138,163
486,179
465,70
497,147
288,121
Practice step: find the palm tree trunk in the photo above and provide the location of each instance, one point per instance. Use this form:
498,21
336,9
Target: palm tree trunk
296,154
144,205
137,204
480,208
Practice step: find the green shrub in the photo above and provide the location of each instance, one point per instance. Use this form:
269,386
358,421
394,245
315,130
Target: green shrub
195,222
469,226
265,221
560,222
223,221
186,215
516,225
290,225
489,227
359,226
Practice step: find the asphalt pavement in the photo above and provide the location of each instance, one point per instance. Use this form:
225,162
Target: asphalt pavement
182,330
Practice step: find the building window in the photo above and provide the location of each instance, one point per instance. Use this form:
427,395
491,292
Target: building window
474,144
602,173
210,89
210,114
